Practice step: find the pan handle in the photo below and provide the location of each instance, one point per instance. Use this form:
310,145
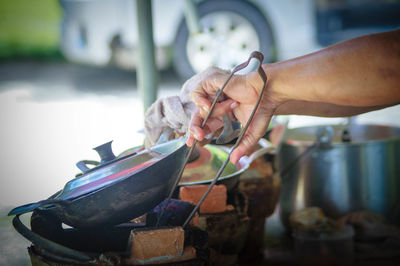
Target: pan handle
82,165
266,146
43,204
49,245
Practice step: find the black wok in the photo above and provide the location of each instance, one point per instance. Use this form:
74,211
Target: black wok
118,190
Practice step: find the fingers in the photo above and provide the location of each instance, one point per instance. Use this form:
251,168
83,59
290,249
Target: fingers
209,82
256,130
224,107
190,140
201,100
221,108
213,122
195,130
244,147
241,97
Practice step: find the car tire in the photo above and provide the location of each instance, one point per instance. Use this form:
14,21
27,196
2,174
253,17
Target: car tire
245,9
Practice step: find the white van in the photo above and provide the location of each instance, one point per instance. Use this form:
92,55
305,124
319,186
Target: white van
105,32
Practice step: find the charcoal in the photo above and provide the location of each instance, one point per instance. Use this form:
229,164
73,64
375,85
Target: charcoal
175,213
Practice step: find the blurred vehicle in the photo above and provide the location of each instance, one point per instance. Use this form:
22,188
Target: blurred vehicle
105,32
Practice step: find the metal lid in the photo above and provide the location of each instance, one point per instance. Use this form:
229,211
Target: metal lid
344,134
116,169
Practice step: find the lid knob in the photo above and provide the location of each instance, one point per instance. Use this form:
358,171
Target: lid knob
105,152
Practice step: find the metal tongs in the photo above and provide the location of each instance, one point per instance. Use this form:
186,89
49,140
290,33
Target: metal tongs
224,135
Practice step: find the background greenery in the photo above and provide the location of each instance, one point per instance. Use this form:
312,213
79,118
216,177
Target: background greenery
30,28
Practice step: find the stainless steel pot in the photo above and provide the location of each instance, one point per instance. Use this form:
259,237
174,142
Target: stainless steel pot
341,169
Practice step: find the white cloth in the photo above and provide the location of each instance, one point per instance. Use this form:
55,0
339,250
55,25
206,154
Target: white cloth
174,112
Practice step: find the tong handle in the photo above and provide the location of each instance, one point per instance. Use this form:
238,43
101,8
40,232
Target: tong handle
256,55
259,56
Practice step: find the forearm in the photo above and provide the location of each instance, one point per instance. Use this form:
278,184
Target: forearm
349,78
360,72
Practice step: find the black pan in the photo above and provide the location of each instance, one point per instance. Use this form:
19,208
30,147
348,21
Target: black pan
118,190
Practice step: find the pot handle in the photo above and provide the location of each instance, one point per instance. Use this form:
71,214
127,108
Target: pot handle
47,244
266,147
324,137
43,204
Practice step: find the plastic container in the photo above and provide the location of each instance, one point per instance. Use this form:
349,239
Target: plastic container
334,248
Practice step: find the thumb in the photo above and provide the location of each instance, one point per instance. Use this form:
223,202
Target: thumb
256,130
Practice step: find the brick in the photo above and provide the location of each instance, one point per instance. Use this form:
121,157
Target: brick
195,220
215,201
156,244
262,195
226,231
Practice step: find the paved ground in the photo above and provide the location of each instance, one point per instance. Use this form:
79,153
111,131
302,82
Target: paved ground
13,246
52,114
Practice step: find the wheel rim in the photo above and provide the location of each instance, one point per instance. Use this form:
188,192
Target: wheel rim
226,40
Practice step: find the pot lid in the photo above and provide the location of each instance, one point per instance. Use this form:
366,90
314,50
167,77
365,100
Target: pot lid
116,169
353,133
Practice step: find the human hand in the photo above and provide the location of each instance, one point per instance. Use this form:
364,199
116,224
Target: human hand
175,112
242,93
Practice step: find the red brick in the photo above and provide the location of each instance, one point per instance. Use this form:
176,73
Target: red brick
195,220
215,201
157,244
